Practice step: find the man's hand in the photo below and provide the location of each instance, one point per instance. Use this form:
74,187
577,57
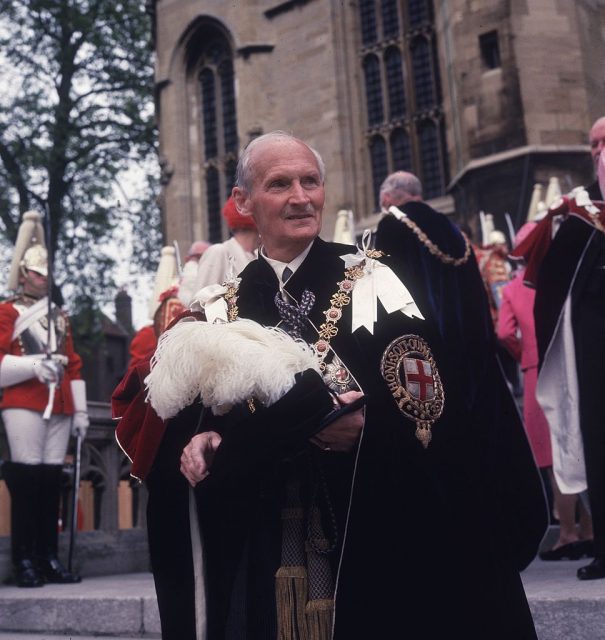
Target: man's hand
197,456
48,370
80,424
342,434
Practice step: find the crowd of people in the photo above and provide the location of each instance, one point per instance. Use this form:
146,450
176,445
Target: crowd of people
325,430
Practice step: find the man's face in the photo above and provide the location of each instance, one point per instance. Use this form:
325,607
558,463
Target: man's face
286,199
35,284
597,140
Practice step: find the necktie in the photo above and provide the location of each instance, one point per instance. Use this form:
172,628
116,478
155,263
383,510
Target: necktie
286,274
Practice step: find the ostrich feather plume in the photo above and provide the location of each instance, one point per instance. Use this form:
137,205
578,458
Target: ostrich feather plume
224,364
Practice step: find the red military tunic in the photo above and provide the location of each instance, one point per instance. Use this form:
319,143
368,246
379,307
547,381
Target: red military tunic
142,345
33,394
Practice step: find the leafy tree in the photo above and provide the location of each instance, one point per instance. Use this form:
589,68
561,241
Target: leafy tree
77,112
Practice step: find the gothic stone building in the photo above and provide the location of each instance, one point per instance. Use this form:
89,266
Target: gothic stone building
481,99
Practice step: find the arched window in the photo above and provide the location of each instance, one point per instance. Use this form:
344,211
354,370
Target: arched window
423,73
395,86
401,152
432,176
218,124
390,18
213,200
419,13
371,68
209,112
230,167
401,72
368,21
225,71
380,167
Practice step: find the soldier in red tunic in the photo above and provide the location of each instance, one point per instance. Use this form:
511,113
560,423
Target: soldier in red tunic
43,402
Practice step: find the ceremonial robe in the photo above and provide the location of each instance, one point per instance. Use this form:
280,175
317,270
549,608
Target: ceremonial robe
430,540
572,275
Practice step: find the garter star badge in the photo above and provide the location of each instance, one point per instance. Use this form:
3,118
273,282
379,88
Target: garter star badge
337,376
410,371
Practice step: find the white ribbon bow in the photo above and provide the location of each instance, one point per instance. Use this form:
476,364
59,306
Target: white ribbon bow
378,283
211,300
583,200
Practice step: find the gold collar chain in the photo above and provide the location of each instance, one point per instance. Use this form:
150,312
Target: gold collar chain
338,301
433,248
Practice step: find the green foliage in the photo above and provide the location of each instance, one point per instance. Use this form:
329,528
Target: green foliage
77,112
87,327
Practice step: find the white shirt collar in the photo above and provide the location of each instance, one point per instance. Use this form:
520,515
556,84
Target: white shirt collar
293,265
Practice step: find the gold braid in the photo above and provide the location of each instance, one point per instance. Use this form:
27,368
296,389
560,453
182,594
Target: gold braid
433,248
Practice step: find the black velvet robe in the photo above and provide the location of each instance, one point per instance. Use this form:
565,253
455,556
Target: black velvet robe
432,540
575,266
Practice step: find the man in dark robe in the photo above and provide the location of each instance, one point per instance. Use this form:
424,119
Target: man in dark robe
568,271
439,258
596,140
426,515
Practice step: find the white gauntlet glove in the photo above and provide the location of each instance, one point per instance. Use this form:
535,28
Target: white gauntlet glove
17,369
80,420
49,370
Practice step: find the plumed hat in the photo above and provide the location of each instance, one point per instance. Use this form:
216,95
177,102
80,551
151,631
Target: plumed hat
553,191
36,259
166,277
235,220
344,229
536,198
496,237
30,233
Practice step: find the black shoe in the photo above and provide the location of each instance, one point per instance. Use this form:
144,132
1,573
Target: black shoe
587,547
53,571
570,551
593,571
26,574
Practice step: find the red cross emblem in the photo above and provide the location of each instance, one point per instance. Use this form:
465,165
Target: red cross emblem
419,378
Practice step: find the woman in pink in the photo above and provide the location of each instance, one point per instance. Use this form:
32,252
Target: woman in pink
516,331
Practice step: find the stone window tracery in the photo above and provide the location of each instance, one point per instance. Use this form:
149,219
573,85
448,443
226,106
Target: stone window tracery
404,116
219,126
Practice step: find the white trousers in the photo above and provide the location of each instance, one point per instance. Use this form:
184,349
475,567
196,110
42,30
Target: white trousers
33,440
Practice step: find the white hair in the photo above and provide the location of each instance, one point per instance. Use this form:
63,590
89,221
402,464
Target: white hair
400,185
244,172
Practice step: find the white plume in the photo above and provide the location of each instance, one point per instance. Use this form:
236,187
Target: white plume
224,364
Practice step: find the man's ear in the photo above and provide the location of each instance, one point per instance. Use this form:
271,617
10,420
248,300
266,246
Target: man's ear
242,201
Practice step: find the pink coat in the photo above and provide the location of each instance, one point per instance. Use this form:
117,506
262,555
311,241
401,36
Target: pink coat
517,332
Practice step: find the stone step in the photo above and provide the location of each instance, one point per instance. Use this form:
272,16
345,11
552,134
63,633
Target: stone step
563,607
117,606
124,606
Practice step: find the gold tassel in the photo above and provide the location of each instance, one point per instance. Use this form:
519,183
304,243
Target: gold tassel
291,596
319,619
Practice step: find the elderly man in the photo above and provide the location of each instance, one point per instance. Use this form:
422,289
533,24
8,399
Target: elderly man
323,520
596,139
566,263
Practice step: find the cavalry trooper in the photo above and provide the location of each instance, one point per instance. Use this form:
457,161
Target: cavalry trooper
43,403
